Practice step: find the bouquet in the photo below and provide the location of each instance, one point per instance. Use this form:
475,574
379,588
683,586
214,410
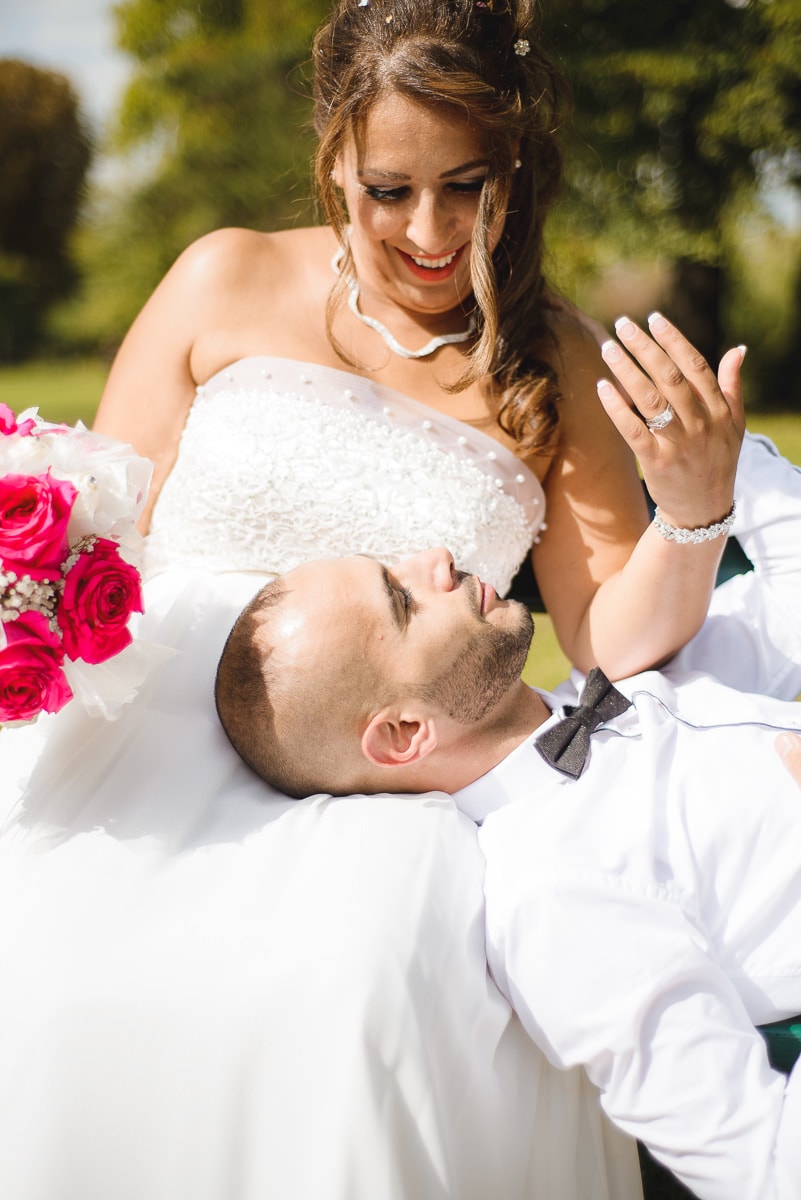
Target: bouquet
69,583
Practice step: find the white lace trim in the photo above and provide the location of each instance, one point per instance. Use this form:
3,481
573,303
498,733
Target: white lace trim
283,461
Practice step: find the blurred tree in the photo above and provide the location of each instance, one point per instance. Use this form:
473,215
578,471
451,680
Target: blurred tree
681,112
680,108
218,112
45,152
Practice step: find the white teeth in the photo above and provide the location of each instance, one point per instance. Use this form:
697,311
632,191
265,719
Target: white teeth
433,264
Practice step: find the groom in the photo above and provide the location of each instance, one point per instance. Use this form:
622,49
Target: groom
643,853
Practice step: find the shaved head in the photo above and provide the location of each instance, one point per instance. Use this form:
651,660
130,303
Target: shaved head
344,667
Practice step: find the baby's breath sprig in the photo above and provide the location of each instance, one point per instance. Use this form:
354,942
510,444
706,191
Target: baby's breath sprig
20,593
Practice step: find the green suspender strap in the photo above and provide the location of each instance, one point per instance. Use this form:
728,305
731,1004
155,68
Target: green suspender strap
784,1042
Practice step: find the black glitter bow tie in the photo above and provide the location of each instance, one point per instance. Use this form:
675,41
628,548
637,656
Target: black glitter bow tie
566,745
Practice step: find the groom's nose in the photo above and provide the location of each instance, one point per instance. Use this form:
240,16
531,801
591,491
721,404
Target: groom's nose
432,569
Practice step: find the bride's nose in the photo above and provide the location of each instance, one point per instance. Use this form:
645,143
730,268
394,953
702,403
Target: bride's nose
430,225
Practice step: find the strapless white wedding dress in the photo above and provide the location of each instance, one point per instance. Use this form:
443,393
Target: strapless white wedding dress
209,991
282,462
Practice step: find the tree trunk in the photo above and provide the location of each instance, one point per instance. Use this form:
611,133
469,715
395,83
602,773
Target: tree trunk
693,303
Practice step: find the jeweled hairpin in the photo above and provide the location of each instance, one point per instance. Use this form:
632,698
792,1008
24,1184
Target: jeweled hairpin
522,47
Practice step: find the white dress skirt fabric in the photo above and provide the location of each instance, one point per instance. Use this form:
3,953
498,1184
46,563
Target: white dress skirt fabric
210,991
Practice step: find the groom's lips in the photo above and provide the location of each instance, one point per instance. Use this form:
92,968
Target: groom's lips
486,595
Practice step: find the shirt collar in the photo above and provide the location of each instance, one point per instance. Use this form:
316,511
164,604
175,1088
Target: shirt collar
502,784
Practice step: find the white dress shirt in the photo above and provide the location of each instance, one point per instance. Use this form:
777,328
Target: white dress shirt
643,918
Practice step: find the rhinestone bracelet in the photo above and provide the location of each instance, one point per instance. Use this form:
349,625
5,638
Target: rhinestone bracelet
705,533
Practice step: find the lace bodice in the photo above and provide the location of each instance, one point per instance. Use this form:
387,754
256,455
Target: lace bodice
281,462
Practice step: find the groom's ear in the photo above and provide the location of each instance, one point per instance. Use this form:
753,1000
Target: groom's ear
394,738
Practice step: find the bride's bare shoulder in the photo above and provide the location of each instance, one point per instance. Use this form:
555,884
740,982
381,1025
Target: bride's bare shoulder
233,257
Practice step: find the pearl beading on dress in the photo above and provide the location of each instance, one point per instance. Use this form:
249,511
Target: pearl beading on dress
337,465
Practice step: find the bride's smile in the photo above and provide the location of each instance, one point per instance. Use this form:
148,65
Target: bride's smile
412,183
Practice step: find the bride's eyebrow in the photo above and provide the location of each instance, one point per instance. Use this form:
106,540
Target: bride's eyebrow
468,166
395,176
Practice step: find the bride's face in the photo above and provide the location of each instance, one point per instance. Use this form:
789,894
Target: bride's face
412,182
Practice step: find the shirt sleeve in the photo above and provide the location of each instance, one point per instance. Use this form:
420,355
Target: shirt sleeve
620,980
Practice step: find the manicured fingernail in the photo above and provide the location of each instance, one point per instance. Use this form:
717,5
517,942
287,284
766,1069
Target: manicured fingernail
605,389
743,351
611,352
624,328
656,322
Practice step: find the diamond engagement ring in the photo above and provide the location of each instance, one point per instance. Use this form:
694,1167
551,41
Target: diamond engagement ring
661,420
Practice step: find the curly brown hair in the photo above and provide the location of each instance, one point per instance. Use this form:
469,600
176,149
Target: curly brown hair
482,59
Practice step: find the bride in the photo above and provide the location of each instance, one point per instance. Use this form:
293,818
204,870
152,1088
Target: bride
209,990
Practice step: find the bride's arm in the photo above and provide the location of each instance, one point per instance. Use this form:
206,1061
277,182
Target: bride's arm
152,381
620,594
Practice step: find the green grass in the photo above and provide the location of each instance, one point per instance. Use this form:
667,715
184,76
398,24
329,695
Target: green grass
66,390
783,428
69,390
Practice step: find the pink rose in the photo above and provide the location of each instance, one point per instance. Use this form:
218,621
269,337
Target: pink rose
8,423
100,592
31,679
34,514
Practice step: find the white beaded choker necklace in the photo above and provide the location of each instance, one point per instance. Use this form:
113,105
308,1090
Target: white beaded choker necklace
392,342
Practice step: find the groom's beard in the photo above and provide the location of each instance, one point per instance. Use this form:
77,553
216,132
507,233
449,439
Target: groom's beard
491,662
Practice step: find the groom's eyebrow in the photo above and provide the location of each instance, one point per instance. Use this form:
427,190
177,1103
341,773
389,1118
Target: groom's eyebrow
392,594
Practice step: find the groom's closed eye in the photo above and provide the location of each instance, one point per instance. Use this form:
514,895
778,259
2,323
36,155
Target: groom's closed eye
401,599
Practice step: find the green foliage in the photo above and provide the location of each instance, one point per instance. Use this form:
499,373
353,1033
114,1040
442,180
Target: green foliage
220,110
680,111
45,152
676,105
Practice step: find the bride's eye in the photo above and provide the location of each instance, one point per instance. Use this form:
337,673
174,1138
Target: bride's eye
468,185
385,194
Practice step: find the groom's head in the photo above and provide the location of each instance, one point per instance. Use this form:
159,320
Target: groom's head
348,676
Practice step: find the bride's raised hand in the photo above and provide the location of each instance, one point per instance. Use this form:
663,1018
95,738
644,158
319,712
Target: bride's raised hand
684,424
